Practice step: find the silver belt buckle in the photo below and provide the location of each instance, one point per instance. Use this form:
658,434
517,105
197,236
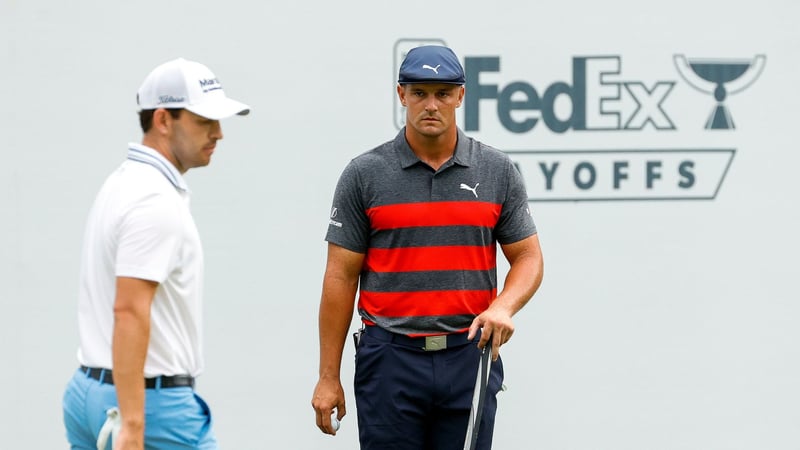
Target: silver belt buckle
435,343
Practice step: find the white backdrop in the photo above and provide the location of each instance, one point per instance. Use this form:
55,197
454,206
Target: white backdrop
667,324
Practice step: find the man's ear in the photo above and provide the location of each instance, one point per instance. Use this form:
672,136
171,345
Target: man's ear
162,121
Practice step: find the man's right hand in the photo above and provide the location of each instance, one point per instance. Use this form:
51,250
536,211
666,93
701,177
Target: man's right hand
128,439
328,398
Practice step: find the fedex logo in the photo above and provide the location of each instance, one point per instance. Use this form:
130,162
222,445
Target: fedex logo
600,99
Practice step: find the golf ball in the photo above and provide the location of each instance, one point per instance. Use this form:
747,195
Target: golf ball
335,423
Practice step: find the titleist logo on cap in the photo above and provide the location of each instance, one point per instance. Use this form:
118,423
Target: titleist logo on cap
170,99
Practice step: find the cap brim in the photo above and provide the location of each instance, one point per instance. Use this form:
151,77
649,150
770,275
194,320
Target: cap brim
219,108
429,82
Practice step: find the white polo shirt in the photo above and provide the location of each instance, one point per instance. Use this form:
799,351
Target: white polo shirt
140,226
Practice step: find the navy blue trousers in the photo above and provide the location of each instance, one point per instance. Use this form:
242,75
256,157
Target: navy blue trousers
410,399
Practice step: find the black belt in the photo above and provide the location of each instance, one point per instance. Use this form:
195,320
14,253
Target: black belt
105,376
427,343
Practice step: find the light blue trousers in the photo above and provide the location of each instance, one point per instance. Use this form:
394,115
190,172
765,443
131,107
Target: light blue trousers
175,418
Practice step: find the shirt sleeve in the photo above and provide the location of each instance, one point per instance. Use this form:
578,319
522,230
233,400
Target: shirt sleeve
149,237
516,222
349,226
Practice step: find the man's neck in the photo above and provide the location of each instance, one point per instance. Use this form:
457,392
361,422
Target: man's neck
433,150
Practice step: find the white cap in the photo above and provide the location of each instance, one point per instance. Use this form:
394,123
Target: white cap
190,85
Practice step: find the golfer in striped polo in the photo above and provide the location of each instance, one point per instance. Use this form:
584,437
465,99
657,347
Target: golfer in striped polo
414,230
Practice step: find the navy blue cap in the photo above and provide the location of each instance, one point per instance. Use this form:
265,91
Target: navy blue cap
431,64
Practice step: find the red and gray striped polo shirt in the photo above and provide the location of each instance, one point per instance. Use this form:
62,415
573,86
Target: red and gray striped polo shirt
429,237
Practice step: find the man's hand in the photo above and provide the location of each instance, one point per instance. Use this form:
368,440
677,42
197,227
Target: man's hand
496,323
328,398
128,439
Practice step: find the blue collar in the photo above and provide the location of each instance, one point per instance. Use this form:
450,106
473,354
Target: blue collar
143,154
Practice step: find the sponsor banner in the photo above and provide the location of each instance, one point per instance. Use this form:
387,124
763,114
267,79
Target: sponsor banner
619,112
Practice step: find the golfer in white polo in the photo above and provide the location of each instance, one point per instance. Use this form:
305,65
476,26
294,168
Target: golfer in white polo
141,279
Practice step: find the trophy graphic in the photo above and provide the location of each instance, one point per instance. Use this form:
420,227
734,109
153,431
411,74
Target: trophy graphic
720,77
